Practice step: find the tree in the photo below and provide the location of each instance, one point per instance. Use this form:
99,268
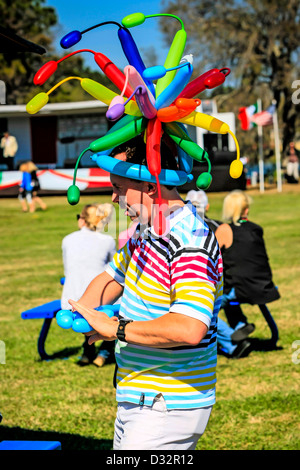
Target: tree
33,21
258,39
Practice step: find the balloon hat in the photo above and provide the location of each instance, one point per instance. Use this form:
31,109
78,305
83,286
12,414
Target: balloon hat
146,108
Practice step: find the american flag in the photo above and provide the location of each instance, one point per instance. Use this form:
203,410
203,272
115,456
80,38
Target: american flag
264,118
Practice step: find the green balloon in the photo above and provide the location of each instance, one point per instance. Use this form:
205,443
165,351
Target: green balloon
204,180
185,142
133,20
125,133
73,195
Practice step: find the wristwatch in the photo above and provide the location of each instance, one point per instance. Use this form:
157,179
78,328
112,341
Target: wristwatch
121,329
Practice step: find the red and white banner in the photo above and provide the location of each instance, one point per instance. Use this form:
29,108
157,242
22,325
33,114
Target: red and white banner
60,180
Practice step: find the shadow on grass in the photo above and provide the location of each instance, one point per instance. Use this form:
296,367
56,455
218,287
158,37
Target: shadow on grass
68,441
63,354
256,344
263,345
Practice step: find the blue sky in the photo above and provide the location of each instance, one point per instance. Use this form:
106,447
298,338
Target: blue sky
79,15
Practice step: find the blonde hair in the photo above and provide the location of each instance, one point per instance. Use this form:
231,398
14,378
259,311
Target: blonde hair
31,167
23,167
96,216
235,205
28,167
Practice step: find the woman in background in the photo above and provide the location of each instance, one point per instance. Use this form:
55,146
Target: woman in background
247,272
86,253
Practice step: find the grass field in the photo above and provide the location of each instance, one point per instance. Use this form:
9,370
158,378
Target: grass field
257,397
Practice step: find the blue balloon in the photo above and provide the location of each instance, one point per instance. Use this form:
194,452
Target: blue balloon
110,310
70,39
185,161
63,312
80,325
132,54
141,172
65,321
155,72
178,83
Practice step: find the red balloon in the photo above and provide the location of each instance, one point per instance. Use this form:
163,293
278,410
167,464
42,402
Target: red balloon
113,73
159,223
45,72
210,79
154,131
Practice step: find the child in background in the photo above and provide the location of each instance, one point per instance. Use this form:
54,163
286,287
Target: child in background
25,190
29,187
32,169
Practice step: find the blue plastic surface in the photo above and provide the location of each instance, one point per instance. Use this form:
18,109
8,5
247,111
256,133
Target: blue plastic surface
30,445
47,310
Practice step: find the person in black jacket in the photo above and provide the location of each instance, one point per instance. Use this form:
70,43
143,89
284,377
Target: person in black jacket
232,342
247,272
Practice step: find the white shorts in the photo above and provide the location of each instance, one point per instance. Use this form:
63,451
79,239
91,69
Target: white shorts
150,428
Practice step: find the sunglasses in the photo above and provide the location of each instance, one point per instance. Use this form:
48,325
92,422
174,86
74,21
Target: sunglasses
78,216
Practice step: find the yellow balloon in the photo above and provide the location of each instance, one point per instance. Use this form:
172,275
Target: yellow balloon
236,169
97,90
37,102
206,122
101,93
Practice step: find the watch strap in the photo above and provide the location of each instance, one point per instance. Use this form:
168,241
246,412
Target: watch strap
121,329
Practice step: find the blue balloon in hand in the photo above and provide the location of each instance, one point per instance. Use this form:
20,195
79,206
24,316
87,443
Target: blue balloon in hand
67,319
80,325
64,319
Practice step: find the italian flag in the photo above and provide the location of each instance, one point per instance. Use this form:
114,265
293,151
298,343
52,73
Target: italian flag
245,115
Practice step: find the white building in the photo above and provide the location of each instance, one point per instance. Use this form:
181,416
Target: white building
55,136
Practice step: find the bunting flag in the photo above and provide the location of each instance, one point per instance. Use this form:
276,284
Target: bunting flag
245,115
264,118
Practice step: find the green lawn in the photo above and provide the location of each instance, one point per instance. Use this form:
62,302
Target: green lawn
257,397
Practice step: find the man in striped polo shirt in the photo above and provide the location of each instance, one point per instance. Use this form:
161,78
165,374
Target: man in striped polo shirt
171,288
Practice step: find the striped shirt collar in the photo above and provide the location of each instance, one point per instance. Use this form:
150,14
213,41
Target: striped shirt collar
172,219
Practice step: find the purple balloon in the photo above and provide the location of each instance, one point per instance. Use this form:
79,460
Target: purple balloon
115,112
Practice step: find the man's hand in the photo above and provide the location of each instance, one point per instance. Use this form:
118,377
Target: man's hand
104,327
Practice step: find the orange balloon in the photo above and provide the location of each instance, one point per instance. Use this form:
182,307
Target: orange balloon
181,108
187,103
172,113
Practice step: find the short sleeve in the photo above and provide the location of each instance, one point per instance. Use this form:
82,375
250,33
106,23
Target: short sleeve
196,284
118,266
